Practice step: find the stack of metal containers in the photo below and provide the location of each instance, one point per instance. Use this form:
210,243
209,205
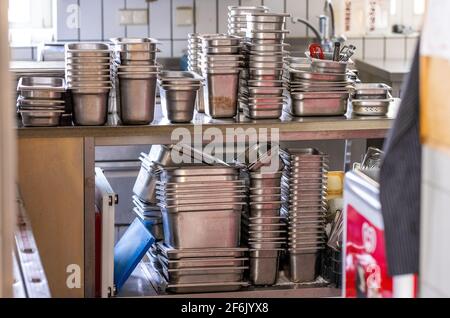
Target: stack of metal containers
220,63
237,18
194,54
263,228
261,89
304,207
41,100
371,99
318,87
144,198
178,91
135,74
201,250
88,77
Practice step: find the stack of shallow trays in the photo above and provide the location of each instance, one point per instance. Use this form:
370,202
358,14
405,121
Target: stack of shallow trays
150,216
135,75
237,20
317,87
88,76
194,55
261,89
263,227
202,227
40,101
194,50
304,206
221,63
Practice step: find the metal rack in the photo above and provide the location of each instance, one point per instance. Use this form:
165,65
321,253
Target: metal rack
85,139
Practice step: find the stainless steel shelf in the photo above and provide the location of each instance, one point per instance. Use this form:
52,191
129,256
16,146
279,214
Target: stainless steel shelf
160,131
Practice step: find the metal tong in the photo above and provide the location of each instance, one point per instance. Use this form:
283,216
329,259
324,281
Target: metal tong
347,52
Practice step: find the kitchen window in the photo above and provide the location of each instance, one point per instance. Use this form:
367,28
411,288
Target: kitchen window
31,22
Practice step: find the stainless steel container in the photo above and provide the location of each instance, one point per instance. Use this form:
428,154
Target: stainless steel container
34,118
137,100
221,229
134,44
319,104
264,270
172,253
302,267
371,107
221,95
90,109
179,104
205,288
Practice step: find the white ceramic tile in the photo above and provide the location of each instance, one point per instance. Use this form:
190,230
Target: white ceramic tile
411,44
90,20
111,19
373,48
21,54
65,30
223,13
359,43
275,5
160,19
181,32
251,2
395,48
315,9
136,30
179,48
296,8
205,16
166,49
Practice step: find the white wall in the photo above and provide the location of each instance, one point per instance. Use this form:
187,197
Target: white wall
99,21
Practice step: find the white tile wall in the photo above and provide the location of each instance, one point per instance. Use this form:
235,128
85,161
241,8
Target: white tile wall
395,48
275,5
22,54
179,46
111,19
166,48
435,222
91,29
205,16
63,30
223,13
251,2
137,30
315,8
296,8
160,20
180,32
374,48
210,17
